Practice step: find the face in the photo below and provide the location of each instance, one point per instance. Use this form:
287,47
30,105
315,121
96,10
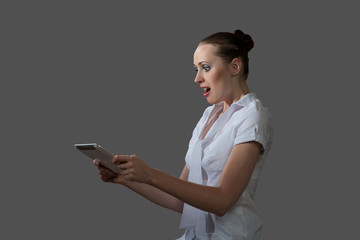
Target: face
213,74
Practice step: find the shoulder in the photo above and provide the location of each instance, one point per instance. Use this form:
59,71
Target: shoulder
254,111
253,118
254,123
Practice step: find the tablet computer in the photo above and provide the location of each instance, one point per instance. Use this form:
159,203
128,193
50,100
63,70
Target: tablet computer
95,151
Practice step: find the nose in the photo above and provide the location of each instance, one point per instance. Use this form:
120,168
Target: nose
198,78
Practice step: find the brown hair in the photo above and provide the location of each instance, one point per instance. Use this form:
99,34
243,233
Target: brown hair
232,45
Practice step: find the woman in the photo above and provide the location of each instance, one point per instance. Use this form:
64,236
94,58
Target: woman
215,191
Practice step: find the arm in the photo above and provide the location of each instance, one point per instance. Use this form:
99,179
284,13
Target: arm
151,193
219,199
158,196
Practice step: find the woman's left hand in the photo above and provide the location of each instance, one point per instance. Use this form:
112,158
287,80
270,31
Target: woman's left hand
133,168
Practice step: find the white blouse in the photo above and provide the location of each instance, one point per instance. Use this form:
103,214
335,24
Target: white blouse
245,120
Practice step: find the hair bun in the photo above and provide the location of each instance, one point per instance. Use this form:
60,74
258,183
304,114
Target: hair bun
245,38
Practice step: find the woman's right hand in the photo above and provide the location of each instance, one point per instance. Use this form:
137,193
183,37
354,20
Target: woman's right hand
107,175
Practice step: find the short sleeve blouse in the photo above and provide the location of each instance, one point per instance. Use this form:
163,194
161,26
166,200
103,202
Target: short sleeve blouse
246,120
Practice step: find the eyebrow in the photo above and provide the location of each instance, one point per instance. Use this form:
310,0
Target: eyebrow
202,62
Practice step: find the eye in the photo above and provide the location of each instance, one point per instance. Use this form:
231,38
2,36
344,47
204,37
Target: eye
196,69
206,67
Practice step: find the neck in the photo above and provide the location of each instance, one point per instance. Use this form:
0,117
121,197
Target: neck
239,91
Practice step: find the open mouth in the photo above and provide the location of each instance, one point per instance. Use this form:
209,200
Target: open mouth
206,91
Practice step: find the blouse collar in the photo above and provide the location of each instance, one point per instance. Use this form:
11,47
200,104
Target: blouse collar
242,102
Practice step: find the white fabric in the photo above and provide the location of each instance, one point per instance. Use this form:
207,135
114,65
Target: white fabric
246,120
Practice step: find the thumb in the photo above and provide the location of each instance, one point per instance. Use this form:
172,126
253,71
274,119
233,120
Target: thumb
96,162
120,159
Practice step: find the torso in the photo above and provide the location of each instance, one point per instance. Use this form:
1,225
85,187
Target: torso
209,148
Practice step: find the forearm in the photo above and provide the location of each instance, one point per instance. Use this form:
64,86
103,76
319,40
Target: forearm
233,181
149,192
210,199
155,195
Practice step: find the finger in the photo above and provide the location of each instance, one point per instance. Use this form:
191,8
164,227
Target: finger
104,171
121,158
128,174
106,179
102,168
96,162
124,166
124,172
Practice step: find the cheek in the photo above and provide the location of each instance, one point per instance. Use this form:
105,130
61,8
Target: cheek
219,78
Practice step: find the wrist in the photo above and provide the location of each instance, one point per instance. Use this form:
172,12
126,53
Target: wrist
152,174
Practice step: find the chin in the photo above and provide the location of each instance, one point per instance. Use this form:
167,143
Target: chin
211,101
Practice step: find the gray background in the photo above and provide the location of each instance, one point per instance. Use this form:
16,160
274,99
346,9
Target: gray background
120,73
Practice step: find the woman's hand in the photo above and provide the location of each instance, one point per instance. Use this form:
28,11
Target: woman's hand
109,176
133,168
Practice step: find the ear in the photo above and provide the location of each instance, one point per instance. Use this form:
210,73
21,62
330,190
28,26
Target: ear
235,66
